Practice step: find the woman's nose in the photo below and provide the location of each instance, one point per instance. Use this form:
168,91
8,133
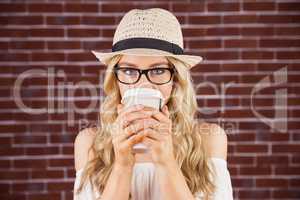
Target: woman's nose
144,82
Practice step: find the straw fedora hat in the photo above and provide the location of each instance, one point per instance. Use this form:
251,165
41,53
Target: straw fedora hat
149,32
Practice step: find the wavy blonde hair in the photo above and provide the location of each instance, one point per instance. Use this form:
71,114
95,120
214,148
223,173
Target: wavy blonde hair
188,146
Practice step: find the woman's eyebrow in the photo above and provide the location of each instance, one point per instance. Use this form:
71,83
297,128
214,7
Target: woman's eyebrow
153,65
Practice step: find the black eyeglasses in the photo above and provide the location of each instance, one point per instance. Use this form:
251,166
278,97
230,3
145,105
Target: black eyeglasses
130,75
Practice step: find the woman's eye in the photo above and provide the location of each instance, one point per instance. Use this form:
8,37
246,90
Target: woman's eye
158,71
129,71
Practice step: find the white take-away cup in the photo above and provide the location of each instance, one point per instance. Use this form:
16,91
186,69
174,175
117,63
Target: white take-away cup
147,97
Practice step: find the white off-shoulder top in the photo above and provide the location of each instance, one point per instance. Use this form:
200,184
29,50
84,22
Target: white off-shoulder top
144,183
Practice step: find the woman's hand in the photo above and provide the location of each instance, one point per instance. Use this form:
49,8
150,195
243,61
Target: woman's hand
158,136
124,137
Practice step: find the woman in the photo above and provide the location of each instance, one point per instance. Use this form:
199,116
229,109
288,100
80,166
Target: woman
186,158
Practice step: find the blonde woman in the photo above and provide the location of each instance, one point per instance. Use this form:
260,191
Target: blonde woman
186,158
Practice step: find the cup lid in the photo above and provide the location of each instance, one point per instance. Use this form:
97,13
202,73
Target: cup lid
145,92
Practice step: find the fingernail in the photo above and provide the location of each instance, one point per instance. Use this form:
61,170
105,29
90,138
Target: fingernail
139,106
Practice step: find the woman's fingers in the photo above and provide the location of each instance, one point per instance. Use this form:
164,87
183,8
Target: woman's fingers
125,117
123,136
140,124
134,140
122,109
152,134
156,114
130,117
149,141
137,126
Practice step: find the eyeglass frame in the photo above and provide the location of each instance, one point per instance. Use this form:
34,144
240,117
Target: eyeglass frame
144,71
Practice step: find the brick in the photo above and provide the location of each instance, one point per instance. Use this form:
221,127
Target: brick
286,148
45,7
279,43
272,160
184,7
10,32
42,150
240,43
17,57
21,20
242,160
45,32
258,31
287,193
287,54
271,182
102,20
58,186
288,6
205,44
63,20
41,196
257,55
124,7
227,55
204,19
258,6
63,45
30,163
80,57
255,194
15,175
251,148
236,19
28,186
287,31
48,57
97,45
287,170
278,19
223,7
30,139
12,7
242,182
47,174
66,138
242,137
27,45
222,31
81,7
83,32
6,151
61,162
266,170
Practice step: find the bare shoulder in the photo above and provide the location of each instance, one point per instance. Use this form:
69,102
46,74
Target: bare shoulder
82,145
214,138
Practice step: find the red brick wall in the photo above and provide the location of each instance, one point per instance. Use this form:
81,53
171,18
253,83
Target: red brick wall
246,46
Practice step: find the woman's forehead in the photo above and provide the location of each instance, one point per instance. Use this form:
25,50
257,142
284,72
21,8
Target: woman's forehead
143,60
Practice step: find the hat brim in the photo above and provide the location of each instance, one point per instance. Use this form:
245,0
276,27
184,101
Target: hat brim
189,60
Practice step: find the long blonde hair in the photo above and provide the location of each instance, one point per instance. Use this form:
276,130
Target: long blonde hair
188,147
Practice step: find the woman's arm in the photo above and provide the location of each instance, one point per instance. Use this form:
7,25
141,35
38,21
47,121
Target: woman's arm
171,179
118,185
172,183
119,182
